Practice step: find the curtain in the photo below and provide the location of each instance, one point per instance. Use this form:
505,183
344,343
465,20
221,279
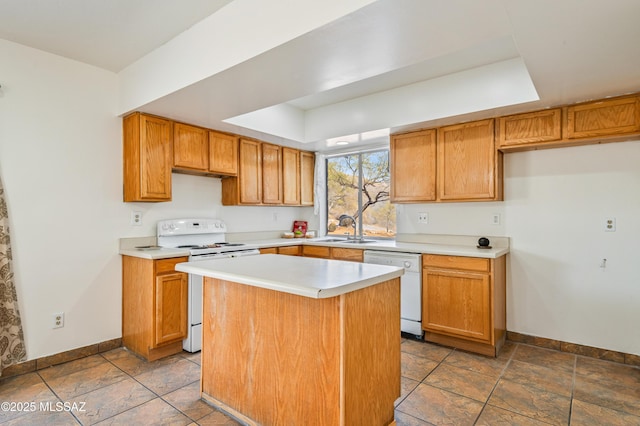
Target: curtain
12,349
320,192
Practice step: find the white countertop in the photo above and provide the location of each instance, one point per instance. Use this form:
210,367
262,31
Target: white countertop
438,247
304,276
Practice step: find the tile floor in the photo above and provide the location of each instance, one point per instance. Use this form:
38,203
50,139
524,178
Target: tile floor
525,385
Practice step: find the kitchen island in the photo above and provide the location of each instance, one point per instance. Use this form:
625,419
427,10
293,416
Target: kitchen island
298,341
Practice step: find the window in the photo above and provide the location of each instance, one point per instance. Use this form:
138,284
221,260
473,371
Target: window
358,186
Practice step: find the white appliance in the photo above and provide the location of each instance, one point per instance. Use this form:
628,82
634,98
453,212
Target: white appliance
410,286
205,239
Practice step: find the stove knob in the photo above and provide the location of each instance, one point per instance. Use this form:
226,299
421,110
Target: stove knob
407,264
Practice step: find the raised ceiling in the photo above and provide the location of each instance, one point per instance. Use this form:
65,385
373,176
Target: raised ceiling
305,74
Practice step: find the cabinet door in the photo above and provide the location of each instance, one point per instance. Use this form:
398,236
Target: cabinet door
316,251
456,303
291,176
147,158
271,174
250,172
535,127
223,154
307,169
190,147
289,250
603,118
171,307
468,163
354,255
413,167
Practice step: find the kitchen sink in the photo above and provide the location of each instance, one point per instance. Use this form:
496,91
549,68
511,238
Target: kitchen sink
342,240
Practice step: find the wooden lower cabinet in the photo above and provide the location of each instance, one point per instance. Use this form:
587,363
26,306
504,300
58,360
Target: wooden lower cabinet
336,253
316,251
309,362
354,255
464,302
154,306
286,250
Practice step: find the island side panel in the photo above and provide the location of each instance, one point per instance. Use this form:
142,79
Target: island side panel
372,353
272,356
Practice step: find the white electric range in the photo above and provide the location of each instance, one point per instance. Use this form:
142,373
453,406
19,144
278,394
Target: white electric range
206,239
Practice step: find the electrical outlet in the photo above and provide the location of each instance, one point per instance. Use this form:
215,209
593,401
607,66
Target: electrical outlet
423,217
610,224
136,218
495,219
58,320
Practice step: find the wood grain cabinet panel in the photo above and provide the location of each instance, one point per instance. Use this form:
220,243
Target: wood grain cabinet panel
307,169
269,250
340,253
154,306
469,166
271,174
291,176
316,251
603,118
464,302
457,303
413,167
223,154
148,143
190,148
289,250
171,308
246,188
534,127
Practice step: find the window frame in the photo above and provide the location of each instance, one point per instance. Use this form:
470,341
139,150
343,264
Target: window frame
360,219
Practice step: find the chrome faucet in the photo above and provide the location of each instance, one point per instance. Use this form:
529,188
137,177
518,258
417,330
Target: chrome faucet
342,218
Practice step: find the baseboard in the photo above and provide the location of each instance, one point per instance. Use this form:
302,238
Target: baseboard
62,357
573,348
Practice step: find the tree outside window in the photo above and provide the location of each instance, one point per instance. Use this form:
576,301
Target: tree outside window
358,186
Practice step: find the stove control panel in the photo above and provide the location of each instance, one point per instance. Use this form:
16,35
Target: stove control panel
190,227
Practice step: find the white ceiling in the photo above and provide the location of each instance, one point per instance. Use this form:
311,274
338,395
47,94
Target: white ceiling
391,64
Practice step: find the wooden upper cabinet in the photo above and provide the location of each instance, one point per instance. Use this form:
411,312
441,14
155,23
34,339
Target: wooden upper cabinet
526,129
291,176
413,167
307,168
469,166
250,172
607,117
271,174
190,148
246,188
148,157
223,154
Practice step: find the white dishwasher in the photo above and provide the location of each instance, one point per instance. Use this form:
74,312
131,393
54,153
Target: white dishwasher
410,286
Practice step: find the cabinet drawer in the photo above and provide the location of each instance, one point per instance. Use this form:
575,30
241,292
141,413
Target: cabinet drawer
289,250
315,251
354,255
456,262
269,250
168,265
